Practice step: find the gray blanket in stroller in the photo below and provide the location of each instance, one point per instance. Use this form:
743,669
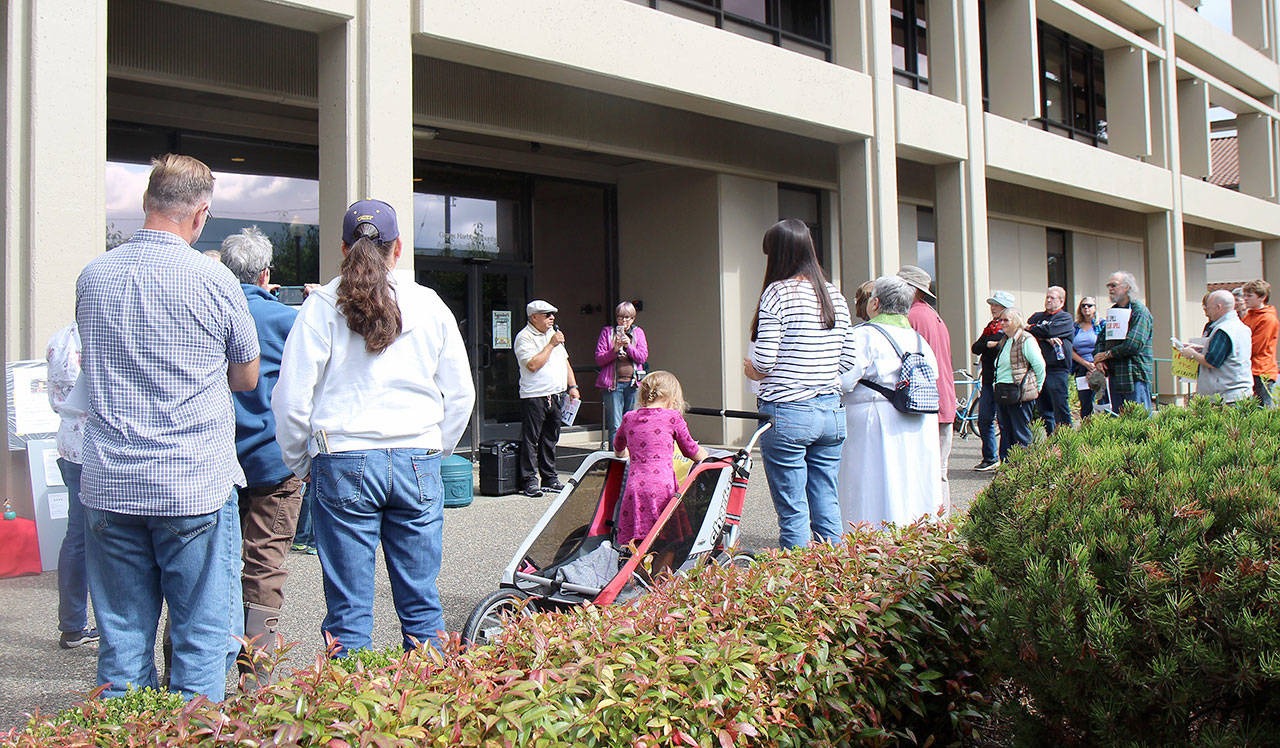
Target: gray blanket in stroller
596,569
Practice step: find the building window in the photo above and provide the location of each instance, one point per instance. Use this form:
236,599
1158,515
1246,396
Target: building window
1223,252
1056,252
1072,88
982,53
910,43
805,203
926,242
799,25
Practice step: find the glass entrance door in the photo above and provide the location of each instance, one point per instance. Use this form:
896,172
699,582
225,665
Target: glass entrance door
487,299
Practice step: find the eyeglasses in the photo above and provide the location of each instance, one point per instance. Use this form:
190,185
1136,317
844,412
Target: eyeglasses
547,314
1112,284
1086,305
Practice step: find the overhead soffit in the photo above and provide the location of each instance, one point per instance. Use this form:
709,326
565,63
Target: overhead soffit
229,64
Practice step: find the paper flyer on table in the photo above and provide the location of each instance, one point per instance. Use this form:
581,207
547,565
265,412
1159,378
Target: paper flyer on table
569,411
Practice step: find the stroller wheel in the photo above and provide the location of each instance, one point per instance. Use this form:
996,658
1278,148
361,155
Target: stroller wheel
741,559
485,623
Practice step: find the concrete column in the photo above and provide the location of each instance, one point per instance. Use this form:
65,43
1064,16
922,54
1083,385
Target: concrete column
1128,101
1192,125
747,208
366,122
1014,62
1166,279
857,214
1271,265
1164,243
946,69
960,206
868,170
849,34
1249,22
1257,155
55,147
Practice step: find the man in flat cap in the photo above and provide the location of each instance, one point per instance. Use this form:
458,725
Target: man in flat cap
545,377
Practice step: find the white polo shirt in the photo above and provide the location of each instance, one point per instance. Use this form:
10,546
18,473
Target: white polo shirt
553,377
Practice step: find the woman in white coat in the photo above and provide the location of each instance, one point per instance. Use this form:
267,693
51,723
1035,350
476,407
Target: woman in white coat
890,470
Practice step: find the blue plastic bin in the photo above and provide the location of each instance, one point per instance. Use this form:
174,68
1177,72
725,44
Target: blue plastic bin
458,480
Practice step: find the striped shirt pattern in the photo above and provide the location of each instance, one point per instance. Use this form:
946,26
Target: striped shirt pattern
800,358
159,321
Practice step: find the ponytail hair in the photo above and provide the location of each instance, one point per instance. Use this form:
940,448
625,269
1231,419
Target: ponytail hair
365,297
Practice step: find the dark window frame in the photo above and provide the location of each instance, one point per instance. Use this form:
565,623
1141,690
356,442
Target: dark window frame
771,26
908,18
1094,90
816,231
1058,246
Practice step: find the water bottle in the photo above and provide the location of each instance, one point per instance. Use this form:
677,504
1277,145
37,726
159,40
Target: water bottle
1058,353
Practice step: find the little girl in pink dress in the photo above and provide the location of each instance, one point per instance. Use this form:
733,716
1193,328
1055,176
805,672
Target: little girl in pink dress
650,433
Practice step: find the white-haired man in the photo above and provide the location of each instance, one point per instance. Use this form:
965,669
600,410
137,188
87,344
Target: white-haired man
1224,357
1125,345
167,336
272,496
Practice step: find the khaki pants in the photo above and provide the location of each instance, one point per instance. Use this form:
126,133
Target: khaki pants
268,518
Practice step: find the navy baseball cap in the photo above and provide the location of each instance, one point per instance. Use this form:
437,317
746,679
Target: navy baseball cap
373,212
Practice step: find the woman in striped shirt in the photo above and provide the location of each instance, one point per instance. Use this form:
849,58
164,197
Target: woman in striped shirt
802,341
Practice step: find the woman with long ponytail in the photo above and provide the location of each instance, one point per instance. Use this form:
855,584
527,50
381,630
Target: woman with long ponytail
375,389
803,341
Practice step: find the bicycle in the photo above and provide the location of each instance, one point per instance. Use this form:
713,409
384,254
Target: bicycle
966,407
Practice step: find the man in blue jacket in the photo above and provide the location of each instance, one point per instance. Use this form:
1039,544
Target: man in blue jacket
1054,329
270,502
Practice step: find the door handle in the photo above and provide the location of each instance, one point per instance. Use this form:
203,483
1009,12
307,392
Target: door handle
485,353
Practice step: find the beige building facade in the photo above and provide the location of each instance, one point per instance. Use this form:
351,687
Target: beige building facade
638,149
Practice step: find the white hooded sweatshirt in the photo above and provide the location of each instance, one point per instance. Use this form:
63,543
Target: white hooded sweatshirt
417,393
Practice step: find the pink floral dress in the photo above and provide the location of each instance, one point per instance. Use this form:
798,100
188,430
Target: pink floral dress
650,435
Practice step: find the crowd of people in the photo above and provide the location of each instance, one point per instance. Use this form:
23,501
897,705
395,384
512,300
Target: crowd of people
197,410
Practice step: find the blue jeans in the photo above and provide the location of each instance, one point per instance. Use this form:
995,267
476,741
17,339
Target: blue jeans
1015,426
1054,403
801,461
363,497
987,422
1140,394
136,562
303,534
73,586
617,401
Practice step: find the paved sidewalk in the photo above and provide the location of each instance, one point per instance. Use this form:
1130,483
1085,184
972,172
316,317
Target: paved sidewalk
478,542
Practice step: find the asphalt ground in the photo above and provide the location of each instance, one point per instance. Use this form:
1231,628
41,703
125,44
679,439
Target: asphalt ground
479,541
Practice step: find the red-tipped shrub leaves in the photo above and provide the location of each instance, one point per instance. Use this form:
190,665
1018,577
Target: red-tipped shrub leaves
870,642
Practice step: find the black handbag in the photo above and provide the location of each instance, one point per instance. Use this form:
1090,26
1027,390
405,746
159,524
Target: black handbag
1008,393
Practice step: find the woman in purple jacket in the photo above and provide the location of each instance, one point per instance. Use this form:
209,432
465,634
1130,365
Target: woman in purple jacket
621,353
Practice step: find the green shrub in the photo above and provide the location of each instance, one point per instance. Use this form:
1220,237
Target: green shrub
873,642
1132,574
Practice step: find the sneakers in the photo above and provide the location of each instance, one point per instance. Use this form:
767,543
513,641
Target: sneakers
310,550
531,491
554,485
73,639
986,465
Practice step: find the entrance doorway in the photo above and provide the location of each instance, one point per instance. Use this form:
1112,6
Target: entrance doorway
488,301
477,235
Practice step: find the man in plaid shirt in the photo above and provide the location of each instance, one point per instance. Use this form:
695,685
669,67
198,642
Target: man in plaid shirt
167,337
1128,361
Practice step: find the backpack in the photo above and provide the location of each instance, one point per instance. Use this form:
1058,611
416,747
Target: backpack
917,389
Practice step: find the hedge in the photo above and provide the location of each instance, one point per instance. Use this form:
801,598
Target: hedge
1132,573
871,642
